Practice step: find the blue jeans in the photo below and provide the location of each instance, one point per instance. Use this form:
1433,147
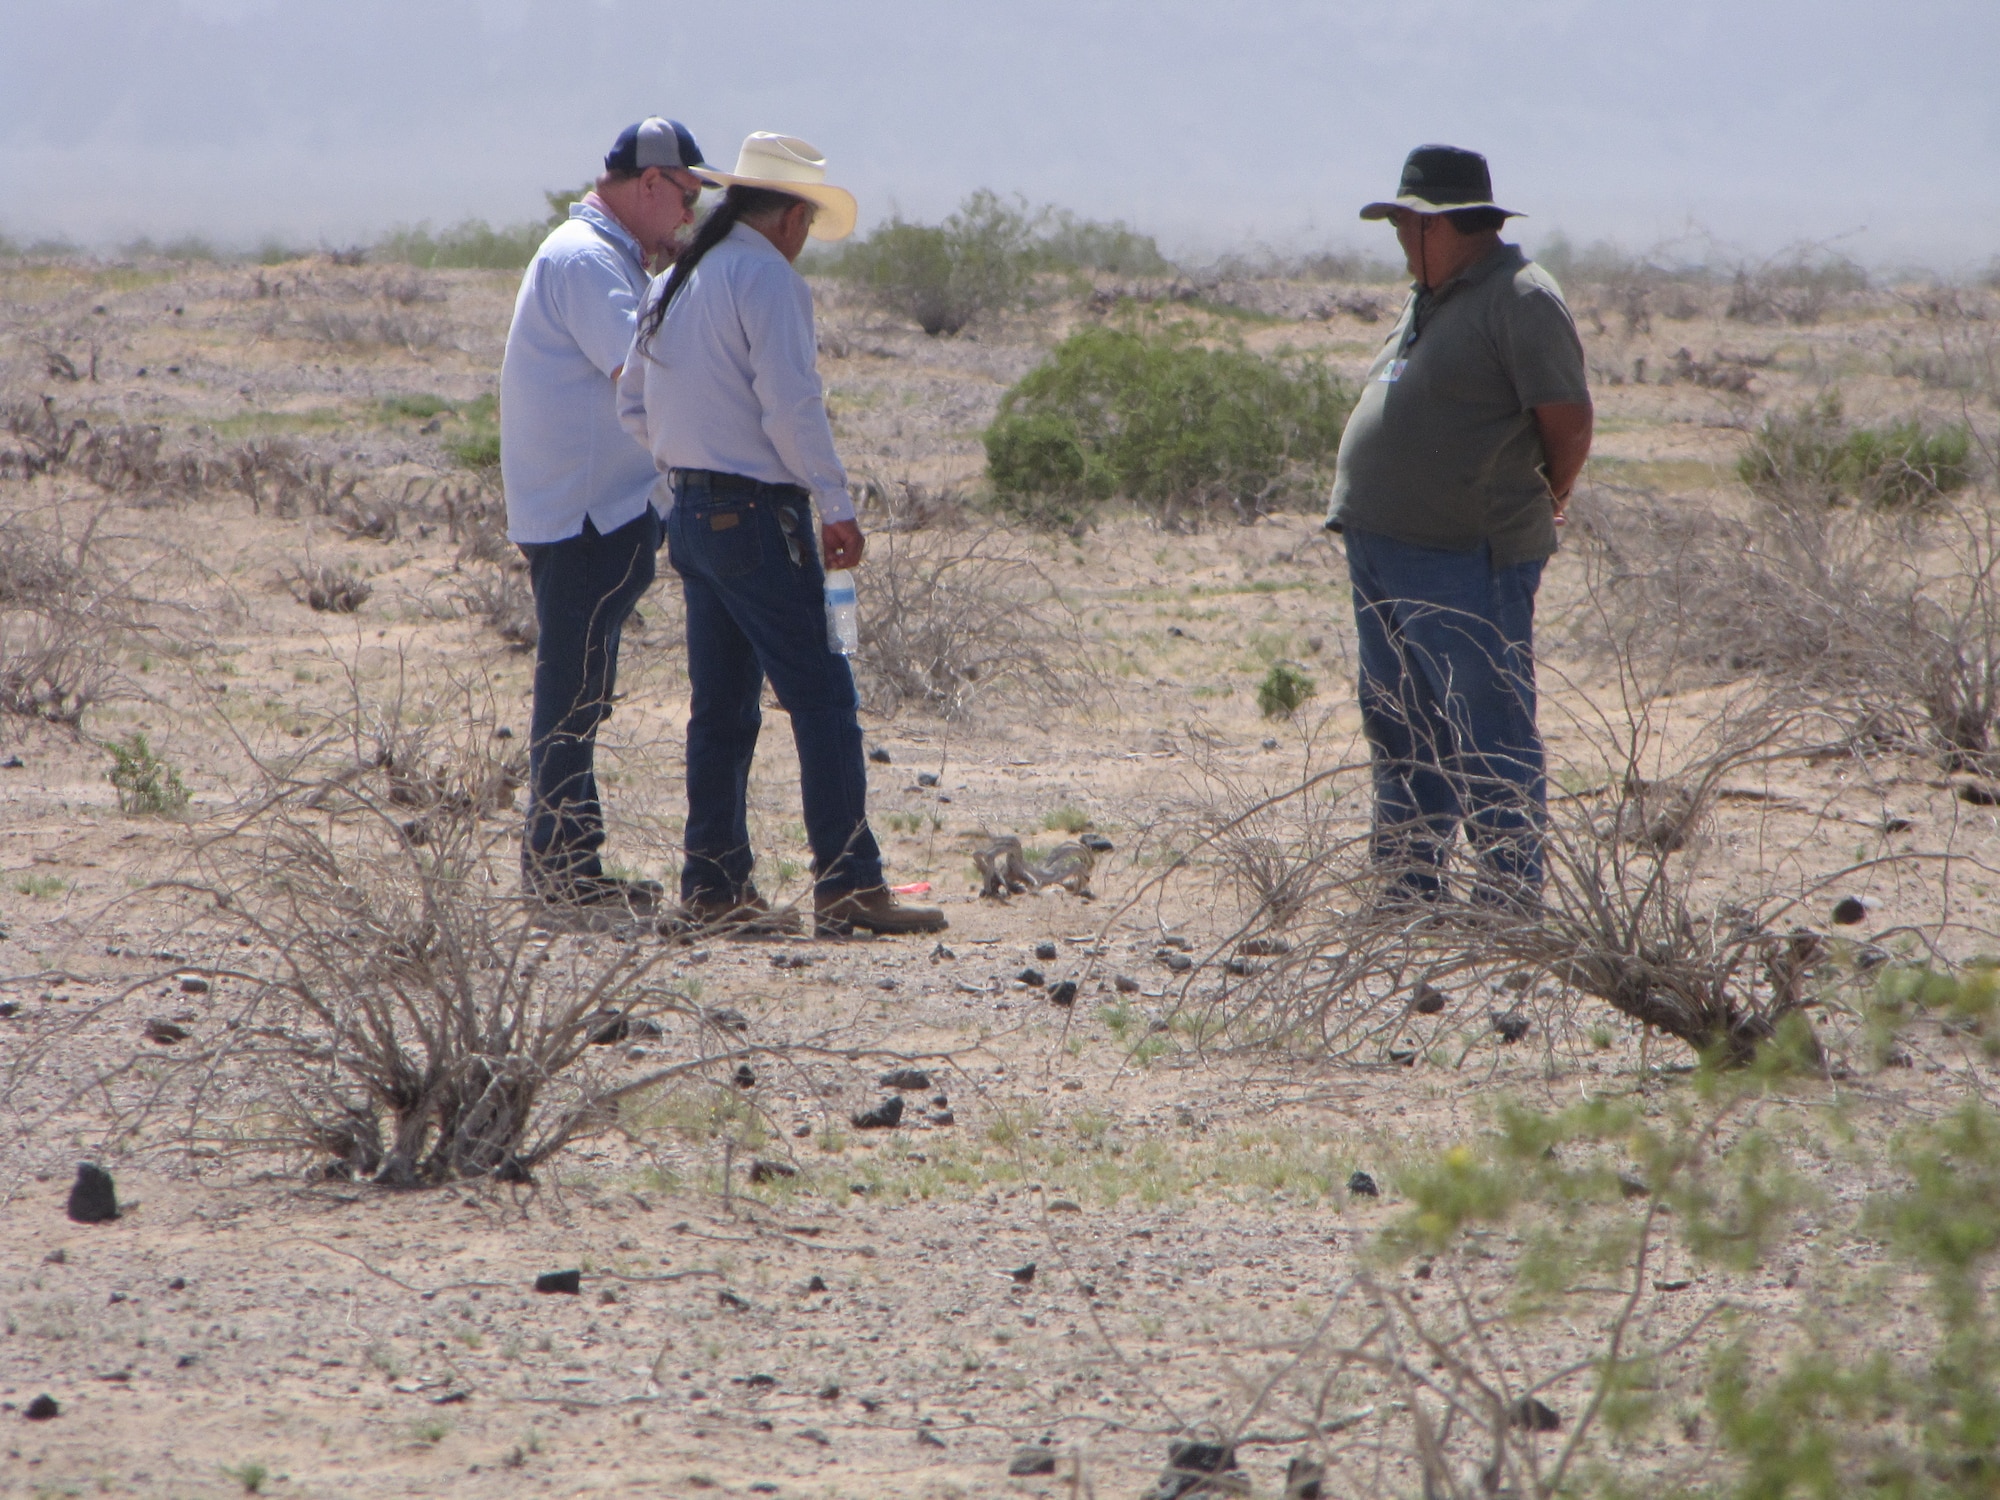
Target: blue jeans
1447,689
585,587
756,609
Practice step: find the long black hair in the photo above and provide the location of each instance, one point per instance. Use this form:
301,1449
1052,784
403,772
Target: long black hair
737,204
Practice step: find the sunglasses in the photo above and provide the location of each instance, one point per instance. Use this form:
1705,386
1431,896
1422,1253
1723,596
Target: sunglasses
689,196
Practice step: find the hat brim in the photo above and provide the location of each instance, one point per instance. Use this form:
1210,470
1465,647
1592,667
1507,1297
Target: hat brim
837,208
1425,206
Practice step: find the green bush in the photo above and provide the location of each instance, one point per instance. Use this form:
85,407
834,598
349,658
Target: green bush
1164,420
1812,454
147,786
1068,243
945,275
1284,689
474,245
983,258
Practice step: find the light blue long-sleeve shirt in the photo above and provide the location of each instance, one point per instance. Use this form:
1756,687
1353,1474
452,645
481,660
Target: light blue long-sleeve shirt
563,454
731,381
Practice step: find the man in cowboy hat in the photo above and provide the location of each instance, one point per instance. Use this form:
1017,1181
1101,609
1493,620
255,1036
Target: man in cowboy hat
722,384
1453,475
580,493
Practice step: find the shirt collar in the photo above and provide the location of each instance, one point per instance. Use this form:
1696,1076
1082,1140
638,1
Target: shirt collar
743,234
1500,255
593,212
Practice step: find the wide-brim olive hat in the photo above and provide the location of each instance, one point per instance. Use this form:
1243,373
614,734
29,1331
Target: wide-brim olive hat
1441,180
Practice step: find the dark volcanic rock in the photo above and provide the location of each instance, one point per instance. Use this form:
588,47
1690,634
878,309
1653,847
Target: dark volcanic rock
1063,993
905,1078
744,1077
93,1199
1532,1415
42,1408
1849,910
1125,984
166,1033
1305,1478
1198,1469
885,1116
771,1171
1512,1026
1425,1000
1023,1275
878,755
1046,952
1034,979
1097,843
570,1282
1361,1185
1031,1461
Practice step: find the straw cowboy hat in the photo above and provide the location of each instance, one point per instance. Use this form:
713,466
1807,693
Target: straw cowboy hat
786,164
1441,180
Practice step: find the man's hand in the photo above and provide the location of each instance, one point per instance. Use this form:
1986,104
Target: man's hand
840,544
1565,427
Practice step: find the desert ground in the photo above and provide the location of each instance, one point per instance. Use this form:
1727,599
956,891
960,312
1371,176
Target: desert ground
1140,1217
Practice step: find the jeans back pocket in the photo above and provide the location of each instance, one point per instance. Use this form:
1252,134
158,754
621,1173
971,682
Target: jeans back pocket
725,541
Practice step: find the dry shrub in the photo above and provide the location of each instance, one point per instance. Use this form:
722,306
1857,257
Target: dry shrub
1894,618
412,1024
1798,286
908,505
441,755
325,588
1635,914
124,458
950,621
501,599
53,665
67,606
476,522
281,473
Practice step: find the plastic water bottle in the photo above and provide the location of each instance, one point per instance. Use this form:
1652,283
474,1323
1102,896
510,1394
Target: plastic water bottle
843,615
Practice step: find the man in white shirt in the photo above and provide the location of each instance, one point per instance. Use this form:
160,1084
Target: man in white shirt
722,385
580,492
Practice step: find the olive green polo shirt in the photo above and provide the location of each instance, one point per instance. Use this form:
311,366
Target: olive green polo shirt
1442,449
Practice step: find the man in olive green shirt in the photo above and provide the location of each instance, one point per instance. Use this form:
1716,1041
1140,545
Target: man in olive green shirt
1452,477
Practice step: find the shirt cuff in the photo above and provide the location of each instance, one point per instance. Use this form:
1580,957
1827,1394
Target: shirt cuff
834,505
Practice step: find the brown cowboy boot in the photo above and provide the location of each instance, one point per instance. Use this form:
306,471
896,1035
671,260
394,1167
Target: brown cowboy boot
748,916
875,909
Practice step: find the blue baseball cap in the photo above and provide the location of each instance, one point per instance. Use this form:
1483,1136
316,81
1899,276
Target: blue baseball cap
654,142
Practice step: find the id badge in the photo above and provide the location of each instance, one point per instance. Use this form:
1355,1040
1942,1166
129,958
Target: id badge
1393,371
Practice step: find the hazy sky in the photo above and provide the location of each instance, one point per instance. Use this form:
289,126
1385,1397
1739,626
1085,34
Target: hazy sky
1757,122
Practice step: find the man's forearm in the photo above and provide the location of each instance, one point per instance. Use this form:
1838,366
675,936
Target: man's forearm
1566,430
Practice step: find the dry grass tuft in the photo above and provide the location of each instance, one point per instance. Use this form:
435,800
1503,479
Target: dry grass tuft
950,621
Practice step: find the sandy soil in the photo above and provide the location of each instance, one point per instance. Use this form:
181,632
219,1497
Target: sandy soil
855,1330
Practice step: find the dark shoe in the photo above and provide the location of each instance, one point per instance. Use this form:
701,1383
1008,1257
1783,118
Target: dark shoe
612,895
874,910
749,915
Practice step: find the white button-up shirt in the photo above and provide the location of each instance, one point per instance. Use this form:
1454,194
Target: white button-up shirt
563,455
731,381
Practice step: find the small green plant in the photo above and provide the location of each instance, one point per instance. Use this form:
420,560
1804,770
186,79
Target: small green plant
1813,455
430,1430
252,1476
1284,690
478,445
40,887
147,786
1160,418
1066,820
